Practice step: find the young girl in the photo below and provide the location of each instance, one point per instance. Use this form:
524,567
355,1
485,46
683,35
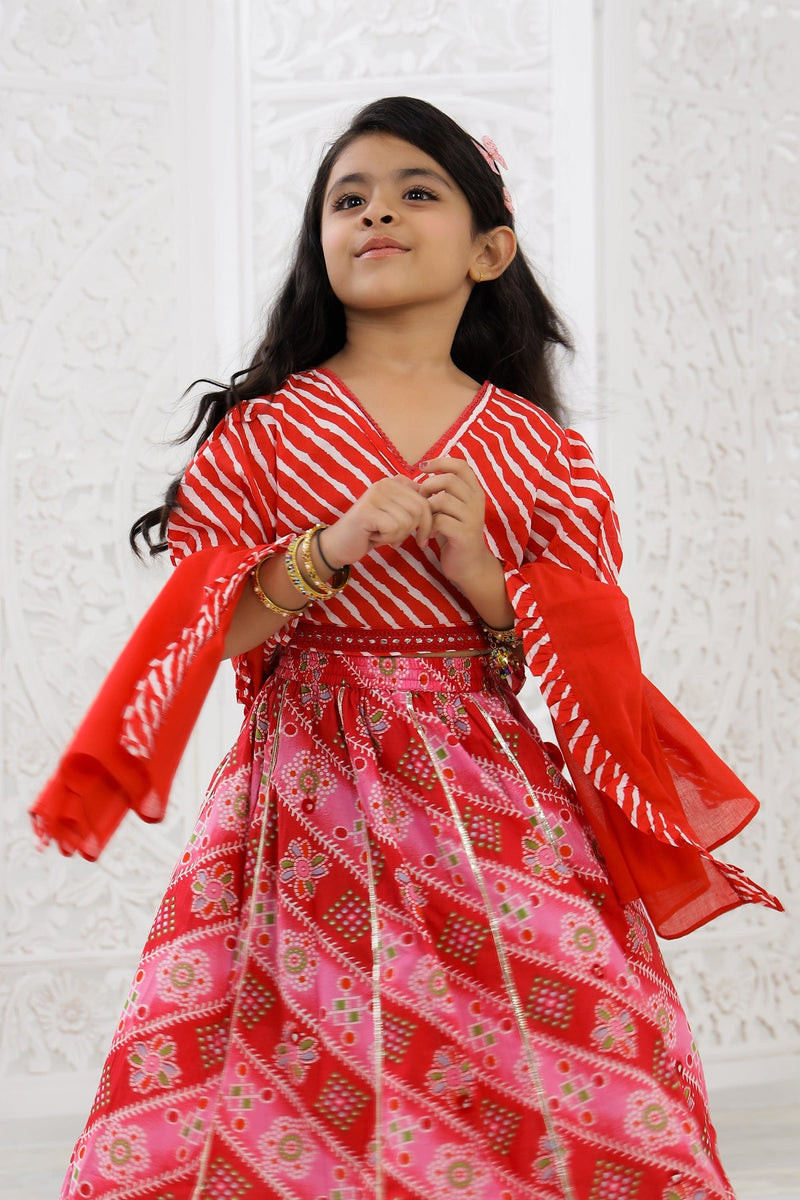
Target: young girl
401,955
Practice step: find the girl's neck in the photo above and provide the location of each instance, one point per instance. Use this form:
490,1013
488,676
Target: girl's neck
401,346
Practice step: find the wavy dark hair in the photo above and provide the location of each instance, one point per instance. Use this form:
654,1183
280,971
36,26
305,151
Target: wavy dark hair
507,333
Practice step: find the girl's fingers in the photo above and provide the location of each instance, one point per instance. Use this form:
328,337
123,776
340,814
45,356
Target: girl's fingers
395,517
455,466
425,528
453,484
446,526
411,504
453,506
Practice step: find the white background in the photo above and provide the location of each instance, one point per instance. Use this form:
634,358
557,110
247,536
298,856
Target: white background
155,158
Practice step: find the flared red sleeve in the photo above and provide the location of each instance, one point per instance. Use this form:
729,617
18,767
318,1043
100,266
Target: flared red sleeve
659,800
126,750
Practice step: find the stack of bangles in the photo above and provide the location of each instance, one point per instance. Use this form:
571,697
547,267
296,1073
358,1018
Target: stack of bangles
303,574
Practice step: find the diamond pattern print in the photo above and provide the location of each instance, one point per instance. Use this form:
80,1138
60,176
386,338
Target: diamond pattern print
397,1035
415,764
462,938
225,1183
501,1125
615,1182
349,916
255,1001
341,1102
484,831
212,1043
551,1002
164,924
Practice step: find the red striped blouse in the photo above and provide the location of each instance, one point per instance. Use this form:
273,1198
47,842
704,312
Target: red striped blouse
278,465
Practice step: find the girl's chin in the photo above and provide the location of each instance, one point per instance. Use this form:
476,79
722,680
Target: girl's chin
384,300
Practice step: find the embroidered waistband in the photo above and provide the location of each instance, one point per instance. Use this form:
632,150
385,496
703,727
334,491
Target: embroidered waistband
315,671
433,659
389,642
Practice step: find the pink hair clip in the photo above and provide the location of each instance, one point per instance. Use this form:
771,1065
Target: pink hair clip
494,158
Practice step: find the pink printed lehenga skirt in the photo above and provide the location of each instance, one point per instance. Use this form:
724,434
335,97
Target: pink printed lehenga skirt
389,964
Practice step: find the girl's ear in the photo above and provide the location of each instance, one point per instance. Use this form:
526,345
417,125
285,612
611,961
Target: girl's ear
493,253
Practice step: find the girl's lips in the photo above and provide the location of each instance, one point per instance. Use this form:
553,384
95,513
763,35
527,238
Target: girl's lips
383,252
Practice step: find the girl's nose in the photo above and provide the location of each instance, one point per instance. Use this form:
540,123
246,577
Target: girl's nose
377,212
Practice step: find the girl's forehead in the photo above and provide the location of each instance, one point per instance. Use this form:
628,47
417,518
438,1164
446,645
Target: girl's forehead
381,151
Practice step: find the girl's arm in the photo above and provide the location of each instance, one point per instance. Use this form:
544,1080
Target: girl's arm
387,513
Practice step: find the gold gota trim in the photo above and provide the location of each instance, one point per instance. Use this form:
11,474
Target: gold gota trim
505,968
510,755
377,1007
377,1019
197,1192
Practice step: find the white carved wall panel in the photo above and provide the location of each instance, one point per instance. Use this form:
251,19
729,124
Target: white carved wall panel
702,430
88,374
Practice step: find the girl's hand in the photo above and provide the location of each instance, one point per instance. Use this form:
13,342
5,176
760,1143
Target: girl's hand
386,514
459,508
458,505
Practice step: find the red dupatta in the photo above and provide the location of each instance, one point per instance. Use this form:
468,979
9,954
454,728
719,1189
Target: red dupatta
126,750
658,798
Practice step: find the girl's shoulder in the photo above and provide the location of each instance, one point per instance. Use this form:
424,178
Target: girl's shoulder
301,397
531,425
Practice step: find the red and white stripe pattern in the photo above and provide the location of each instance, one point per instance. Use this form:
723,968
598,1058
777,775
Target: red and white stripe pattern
302,457
155,691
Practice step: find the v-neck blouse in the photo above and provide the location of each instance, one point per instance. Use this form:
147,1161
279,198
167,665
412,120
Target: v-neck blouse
384,441
303,456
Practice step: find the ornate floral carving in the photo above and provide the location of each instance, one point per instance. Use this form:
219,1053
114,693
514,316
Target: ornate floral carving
421,38
714,412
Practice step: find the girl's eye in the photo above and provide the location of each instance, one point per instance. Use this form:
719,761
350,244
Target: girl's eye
352,200
345,202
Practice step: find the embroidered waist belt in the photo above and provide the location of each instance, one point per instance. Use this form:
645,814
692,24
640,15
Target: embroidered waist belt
433,640
401,660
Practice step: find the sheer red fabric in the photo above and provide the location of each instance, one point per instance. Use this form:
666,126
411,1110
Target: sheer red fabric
102,774
656,835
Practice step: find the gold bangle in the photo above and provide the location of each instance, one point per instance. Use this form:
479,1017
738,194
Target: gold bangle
340,576
296,575
310,584
264,598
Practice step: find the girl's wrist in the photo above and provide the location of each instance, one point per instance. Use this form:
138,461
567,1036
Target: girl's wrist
476,571
485,588
308,571
327,558
337,546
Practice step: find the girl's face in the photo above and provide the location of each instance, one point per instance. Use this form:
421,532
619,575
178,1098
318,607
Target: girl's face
397,231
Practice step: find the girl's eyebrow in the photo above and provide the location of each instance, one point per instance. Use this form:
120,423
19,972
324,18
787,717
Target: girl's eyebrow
403,173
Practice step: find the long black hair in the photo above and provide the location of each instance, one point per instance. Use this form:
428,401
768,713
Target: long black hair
507,332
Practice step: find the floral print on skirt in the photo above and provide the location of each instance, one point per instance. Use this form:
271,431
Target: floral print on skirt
389,964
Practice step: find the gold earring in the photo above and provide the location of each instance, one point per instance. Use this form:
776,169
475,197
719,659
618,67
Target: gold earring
480,278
